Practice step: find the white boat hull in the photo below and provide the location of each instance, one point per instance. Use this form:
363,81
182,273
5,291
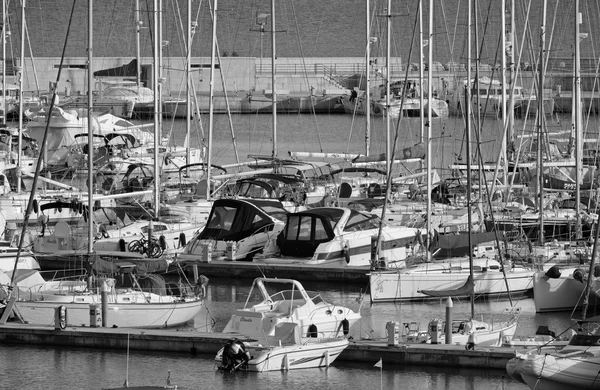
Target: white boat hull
560,294
556,373
312,354
122,315
400,285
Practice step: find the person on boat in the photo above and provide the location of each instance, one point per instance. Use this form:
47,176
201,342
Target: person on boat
353,95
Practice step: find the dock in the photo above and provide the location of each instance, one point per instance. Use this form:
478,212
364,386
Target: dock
193,343
255,269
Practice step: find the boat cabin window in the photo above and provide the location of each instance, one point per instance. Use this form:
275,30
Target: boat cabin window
584,340
359,222
222,218
156,228
303,234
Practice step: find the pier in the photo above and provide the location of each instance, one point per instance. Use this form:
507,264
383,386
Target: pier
193,343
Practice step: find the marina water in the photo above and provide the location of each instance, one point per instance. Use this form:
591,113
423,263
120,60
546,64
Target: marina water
42,367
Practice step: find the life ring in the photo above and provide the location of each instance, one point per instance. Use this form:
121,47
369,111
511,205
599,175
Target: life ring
162,242
470,346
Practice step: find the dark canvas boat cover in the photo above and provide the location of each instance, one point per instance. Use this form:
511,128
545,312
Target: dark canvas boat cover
127,70
235,219
465,289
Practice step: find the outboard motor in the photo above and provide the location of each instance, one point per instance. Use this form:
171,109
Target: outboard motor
234,356
553,272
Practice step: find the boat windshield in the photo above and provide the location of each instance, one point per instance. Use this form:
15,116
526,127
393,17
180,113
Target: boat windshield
585,340
359,221
287,295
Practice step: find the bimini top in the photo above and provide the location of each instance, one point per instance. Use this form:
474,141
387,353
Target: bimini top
235,219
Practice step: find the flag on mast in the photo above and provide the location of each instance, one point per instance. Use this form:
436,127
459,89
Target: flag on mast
379,364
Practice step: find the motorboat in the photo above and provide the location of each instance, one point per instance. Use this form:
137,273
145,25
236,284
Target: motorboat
574,366
405,101
562,288
286,300
237,229
337,236
474,333
134,301
285,350
490,278
63,125
487,98
8,257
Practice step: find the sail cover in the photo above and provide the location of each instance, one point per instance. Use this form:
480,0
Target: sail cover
465,289
127,70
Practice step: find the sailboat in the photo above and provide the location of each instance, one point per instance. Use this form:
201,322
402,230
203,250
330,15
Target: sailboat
456,277
124,302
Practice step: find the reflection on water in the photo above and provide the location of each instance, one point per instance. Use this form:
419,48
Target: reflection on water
62,368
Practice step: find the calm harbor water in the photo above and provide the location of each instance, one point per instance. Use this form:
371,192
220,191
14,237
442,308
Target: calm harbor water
39,367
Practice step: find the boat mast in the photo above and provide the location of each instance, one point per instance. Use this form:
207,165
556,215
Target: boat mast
273,87
368,81
138,27
21,72
4,62
188,76
578,123
90,103
429,115
506,120
155,82
388,141
467,104
421,77
579,135
540,125
211,97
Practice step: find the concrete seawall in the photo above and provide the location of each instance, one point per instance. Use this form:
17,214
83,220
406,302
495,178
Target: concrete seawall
302,84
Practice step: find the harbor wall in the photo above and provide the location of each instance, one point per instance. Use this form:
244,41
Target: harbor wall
248,81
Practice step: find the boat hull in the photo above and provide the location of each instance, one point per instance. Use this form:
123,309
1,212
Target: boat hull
122,315
313,354
390,286
564,293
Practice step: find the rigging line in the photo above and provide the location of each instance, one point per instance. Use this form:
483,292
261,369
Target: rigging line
37,84
592,97
450,42
181,31
410,50
306,74
39,160
224,85
367,74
